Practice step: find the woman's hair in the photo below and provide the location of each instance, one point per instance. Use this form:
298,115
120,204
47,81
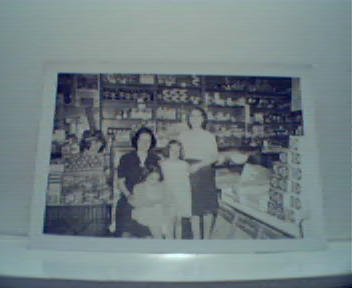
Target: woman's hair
154,169
143,130
172,142
204,115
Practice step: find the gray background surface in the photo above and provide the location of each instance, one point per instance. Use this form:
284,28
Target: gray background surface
273,32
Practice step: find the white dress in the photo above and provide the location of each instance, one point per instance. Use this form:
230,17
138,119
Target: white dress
149,207
177,187
201,145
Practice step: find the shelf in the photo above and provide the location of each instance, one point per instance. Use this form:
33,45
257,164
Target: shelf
236,106
175,120
277,150
168,120
276,136
84,90
70,111
113,101
263,109
173,104
148,86
127,120
220,90
126,103
283,124
134,86
73,108
84,205
162,87
239,148
256,123
138,120
227,122
270,94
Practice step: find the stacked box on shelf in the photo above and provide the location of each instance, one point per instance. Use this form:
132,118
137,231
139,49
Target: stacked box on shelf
120,135
179,80
120,79
54,184
285,192
84,181
134,113
179,96
166,113
128,94
226,83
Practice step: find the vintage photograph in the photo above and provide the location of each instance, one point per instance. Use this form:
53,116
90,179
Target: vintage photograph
176,156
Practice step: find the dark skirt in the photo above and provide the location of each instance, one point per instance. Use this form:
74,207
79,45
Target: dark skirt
204,193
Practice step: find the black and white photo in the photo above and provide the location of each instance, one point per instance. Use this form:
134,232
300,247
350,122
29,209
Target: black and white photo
176,157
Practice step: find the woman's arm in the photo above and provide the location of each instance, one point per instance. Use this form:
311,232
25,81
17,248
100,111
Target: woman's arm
203,163
121,184
212,155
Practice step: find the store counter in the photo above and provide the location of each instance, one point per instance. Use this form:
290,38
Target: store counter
258,224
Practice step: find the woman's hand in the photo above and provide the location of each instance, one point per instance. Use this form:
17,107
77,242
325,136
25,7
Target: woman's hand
112,227
194,168
131,199
121,185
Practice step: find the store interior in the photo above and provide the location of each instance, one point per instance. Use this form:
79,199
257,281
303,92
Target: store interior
257,122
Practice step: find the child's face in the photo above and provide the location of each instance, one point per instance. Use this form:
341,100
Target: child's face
153,178
175,150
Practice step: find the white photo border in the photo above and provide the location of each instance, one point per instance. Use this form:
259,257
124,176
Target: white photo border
314,226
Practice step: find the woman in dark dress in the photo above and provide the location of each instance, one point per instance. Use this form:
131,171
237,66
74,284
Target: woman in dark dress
131,170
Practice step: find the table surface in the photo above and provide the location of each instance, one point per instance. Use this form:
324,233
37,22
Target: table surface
18,261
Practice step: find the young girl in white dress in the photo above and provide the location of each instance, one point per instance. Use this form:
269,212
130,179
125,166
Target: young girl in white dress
177,188
148,200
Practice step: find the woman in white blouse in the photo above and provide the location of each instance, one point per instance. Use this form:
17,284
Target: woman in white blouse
201,152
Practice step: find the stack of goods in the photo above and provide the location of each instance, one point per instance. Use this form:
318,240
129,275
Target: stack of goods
283,124
54,184
221,116
84,181
87,81
128,94
120,135
140,113
227,83
227,135
260,102
178,81
120,79
179,96
166,113
223,99
83,161
285,186
167,130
